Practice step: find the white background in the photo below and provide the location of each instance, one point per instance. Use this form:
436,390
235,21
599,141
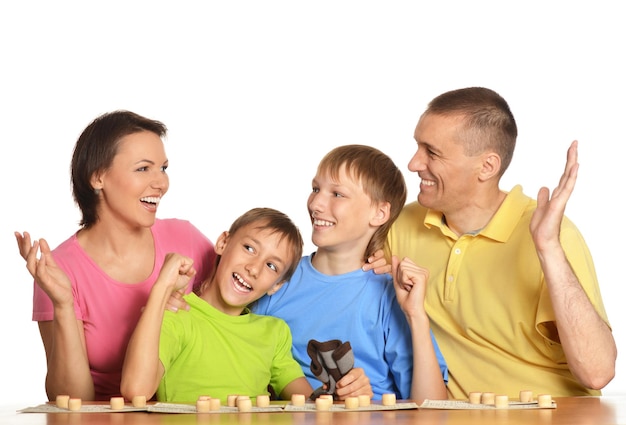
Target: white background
255,92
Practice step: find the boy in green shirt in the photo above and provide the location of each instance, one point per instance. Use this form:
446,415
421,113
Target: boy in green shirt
219,347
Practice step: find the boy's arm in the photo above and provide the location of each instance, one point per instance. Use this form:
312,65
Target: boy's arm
297,386
143,370
410,284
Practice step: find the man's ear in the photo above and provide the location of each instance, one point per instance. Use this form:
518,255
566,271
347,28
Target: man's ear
381,214
221,243
490,166
275,288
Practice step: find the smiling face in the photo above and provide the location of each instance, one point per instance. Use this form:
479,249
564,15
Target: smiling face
448,176
342,214
132,187
253,260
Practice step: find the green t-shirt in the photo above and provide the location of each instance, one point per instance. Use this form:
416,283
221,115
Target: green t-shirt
207,352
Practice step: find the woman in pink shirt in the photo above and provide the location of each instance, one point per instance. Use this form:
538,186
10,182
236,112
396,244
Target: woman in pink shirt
90,290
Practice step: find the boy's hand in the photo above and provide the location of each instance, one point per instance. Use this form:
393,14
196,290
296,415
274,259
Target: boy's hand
176,272
409,281
354,383
378,263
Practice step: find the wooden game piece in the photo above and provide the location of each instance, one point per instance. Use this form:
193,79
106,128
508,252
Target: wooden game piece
488,398
117,403
323,403
351,402
526,396
203,405
74,404
262,400
244,404
389,399
475,397
501,401
231,400
204,397
215,404
297,399
139,401
364,400
63,401
544,400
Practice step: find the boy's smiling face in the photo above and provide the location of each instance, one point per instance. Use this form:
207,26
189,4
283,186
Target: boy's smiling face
253,262
342,214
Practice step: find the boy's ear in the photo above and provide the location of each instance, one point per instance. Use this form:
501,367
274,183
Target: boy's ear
382,212
221,243
275,288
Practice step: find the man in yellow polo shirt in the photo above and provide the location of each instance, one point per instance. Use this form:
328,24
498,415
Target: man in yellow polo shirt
513,296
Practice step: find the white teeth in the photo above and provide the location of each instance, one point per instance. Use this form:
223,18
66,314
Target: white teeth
428,182
241,281
322,223
151,199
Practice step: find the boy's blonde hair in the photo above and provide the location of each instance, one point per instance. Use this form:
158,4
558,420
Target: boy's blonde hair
379,177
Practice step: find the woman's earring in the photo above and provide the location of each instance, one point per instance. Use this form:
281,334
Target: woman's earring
96,191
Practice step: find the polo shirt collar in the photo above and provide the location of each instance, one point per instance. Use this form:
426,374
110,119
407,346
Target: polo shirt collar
499,227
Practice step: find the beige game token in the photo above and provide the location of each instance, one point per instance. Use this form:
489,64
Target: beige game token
139,401
74,404
364,400
117,403
203,405
63,401
501,401
488,398
231,400
544,400
262,400
204,397
475,397
389,399
297,399
351,402
215,404
526,396
244,404
323,403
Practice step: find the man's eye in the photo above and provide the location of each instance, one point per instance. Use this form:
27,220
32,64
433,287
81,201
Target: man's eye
316,189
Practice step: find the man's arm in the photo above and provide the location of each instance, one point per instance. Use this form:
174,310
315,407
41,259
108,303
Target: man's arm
587,340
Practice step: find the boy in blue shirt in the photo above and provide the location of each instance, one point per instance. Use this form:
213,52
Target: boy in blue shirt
357,194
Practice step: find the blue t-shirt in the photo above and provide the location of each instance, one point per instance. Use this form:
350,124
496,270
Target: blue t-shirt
359,307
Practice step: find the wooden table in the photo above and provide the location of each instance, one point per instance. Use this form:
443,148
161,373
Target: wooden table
569,411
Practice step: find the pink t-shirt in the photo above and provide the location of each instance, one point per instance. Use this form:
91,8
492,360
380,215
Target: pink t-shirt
110,309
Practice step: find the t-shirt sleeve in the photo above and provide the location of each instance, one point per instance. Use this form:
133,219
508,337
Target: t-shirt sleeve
284,368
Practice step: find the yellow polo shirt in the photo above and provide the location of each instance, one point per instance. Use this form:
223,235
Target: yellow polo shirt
488,301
